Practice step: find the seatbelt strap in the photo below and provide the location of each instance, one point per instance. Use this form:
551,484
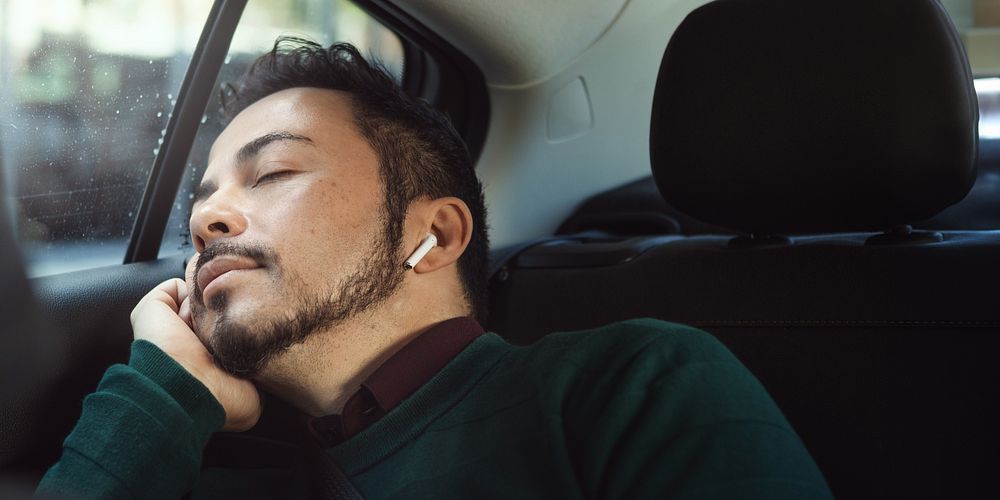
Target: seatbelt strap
329,481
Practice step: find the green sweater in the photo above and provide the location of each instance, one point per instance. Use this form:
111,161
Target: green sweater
639,409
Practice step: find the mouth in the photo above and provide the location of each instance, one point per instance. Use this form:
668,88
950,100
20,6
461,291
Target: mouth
218,269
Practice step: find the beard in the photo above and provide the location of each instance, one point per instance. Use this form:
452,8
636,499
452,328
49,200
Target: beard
244,348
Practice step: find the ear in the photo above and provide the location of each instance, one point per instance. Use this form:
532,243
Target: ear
450,221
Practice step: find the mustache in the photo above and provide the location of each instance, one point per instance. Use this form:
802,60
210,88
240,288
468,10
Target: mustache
259,253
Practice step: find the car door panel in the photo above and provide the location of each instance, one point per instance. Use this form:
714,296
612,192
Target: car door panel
86,329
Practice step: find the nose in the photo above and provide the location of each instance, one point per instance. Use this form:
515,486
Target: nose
215,218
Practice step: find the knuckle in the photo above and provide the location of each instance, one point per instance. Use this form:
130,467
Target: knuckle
136,310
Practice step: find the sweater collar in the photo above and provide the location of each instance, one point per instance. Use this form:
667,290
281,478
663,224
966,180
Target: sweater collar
428,404
419,360
398,378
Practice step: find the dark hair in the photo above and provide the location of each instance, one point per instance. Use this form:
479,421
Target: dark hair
420,152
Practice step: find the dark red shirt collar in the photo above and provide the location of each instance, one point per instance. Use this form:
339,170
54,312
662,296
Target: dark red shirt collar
397,379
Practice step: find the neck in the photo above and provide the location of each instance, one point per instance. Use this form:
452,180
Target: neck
319,375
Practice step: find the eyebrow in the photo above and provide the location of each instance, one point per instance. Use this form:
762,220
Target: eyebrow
252,148
246,153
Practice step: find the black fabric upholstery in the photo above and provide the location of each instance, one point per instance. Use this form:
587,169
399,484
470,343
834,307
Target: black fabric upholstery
795,116
815,281
883,357
634,208
612,211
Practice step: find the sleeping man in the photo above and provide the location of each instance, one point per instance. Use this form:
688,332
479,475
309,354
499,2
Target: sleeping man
341,274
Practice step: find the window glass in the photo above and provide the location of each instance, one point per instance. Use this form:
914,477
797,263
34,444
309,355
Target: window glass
322,21
978,24
86,87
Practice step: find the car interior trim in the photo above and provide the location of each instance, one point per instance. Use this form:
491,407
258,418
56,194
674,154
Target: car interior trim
182,127
445,76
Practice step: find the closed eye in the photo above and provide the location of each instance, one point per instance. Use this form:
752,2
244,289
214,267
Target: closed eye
272,176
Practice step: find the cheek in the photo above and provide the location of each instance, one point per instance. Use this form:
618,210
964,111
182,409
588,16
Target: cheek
323,230
315,204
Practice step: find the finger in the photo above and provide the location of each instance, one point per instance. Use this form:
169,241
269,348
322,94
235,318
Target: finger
182,291
159,293
185,312
165,294
169,292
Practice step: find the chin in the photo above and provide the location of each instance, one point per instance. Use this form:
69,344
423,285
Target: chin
235,304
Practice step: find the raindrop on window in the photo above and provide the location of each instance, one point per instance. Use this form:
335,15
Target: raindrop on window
159,114
228,58
204,118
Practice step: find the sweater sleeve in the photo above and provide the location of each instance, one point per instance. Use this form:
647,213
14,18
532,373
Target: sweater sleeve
141,434
681,417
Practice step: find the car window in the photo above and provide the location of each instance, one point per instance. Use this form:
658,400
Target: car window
86,87
978,25
323,21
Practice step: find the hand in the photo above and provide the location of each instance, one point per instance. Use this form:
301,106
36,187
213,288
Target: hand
163,317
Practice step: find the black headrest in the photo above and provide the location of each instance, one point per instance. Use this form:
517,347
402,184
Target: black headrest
796,116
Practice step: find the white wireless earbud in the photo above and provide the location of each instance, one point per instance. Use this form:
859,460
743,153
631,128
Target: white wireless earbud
429,242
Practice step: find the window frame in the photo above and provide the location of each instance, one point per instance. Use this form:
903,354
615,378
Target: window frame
433,69
182,127
441,74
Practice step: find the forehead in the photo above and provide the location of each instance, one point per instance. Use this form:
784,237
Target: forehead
324,116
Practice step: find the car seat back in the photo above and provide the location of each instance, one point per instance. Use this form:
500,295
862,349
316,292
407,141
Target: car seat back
816,132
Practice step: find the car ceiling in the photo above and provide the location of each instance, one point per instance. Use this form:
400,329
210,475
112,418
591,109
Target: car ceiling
589,63
516,43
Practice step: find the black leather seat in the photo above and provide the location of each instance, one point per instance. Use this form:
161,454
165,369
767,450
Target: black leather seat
816,132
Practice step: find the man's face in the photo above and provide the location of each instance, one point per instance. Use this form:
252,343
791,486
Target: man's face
290,227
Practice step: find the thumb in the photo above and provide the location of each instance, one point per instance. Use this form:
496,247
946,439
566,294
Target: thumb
185,312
